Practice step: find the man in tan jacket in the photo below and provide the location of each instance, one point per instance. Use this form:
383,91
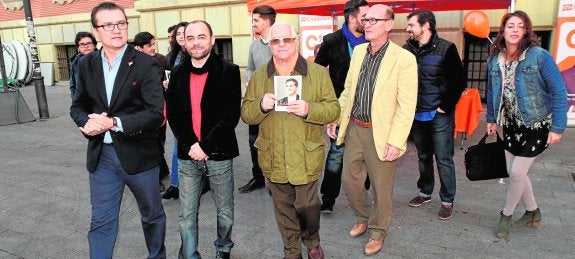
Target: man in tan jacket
379,99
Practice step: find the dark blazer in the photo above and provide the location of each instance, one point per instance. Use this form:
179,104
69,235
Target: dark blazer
220,108
137,99
334,52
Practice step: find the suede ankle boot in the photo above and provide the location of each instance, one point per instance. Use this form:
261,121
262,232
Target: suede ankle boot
504,225
529,219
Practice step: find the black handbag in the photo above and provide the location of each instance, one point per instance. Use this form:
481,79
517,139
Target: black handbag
486,161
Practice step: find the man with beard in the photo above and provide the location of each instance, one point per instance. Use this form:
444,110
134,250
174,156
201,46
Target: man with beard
441,81
203,101
335,54
260,53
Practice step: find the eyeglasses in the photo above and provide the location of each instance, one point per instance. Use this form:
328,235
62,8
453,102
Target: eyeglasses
372,21
112,26
277,41
85,45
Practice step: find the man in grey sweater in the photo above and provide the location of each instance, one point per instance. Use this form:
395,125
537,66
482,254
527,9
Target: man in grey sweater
260,54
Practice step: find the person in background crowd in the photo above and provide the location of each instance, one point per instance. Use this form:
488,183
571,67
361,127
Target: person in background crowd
146,42
203,102
178,53
377,110
527,97
85,43
335,54
122,131
290,144
441,81
170,40
260,54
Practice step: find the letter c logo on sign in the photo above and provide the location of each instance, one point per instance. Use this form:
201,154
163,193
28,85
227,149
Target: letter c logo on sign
571,39
565,42
311,41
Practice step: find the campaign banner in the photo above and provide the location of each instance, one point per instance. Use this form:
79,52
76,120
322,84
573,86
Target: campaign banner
564,52
312,29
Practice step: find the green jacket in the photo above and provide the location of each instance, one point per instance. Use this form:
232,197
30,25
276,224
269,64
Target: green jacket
291,148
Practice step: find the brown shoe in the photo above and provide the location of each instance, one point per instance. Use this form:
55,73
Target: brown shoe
357,229
446,212
316,253
373,246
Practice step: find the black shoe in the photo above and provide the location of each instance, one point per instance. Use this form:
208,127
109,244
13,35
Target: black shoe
171,193
222,255
326,208
252,185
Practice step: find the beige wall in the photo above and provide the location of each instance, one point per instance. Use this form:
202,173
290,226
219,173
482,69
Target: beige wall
230,19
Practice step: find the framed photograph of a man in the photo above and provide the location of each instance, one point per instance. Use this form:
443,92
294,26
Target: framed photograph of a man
287,89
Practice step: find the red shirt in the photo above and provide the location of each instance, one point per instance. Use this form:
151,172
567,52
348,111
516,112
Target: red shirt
197,84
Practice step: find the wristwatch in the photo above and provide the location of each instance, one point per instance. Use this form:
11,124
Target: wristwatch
115,124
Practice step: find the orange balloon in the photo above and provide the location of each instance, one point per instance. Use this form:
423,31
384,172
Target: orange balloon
477,24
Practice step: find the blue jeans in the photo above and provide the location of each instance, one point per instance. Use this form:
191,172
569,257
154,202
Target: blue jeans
431,138
222,188
331,183
174,176
106,189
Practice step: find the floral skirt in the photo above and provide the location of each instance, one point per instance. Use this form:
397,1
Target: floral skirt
523,141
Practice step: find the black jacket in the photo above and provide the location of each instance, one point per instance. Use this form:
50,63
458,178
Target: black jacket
220,108
334,52
137,99
440,74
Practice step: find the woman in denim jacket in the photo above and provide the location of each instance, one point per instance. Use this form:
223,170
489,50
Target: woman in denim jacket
526,95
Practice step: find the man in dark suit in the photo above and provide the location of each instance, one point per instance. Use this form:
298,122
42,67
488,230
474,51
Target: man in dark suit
119,108
335,53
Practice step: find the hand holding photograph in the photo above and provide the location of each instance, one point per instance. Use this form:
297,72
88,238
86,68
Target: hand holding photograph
287,89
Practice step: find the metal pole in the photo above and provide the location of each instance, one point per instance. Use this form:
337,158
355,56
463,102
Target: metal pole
3,68
38,78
